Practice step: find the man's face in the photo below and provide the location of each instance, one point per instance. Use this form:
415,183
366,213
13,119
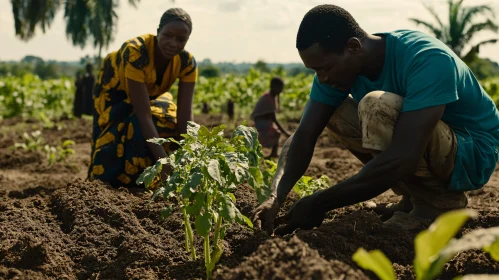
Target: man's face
338,70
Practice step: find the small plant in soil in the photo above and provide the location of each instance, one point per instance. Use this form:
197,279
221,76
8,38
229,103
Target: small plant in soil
207,168
32,141
304,187
435,246
60,153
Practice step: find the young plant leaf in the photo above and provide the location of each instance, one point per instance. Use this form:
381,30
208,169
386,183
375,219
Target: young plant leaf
192,184
203,132
158,141
232,197
228,208
428,243
257,175
192,128
148,175
214,170
241,219
67,143
195,208
376,262
203,224
166,212
477,239
493,250
249,134
218,130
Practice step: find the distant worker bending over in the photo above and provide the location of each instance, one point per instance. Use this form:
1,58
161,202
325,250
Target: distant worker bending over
419,120
132,102
264,116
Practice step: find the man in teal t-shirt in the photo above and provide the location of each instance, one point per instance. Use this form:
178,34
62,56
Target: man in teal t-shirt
417,118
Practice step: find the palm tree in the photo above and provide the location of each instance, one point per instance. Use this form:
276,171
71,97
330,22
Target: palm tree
28,14
85,19
462,27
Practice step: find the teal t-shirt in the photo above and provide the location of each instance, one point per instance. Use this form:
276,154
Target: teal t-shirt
427,73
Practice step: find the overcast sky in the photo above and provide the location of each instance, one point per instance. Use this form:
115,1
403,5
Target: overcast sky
229,30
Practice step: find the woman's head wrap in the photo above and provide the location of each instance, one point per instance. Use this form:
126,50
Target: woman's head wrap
175,14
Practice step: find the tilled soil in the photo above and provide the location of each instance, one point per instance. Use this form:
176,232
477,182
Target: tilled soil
56,225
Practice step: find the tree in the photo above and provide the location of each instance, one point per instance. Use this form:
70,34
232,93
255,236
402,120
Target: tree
85,19
262,66
209,71
461,27
46,70
484,68
32,59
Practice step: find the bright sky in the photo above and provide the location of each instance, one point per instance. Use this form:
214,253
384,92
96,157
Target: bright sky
229,30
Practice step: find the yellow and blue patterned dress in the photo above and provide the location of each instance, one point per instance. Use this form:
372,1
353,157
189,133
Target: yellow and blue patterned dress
119,150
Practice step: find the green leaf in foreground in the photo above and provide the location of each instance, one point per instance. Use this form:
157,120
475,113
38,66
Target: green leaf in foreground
429,242
493,250
376,262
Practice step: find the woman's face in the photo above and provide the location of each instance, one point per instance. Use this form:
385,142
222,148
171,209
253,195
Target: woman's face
172,38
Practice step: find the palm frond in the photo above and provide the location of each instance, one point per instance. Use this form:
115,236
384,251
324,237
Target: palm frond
435,30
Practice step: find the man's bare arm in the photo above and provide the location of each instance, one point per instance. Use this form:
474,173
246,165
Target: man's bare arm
299,148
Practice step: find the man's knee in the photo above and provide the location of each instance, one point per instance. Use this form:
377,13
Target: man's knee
378,112
380,101
345,120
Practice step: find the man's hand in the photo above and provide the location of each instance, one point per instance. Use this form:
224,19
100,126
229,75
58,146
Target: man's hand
264,215
304,214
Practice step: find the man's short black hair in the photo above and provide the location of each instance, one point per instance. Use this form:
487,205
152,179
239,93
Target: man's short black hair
330,26
276,81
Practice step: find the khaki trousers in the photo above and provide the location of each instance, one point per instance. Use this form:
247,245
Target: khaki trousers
366,129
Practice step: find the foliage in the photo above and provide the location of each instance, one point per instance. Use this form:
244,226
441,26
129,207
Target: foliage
261,66
209,71
59,153
304,187
491,86
34,141
246,90
207,168
85,19
308,185
435,246
375,261
484,68
461,27
29,96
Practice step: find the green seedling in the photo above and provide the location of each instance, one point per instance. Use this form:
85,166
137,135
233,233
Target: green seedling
304,187
32,141
207,168
60,153
435,246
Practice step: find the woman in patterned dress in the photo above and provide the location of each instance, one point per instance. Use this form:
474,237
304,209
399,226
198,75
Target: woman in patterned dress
132,102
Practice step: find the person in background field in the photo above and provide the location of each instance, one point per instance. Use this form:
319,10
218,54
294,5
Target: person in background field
88,84
132,102
230,109
78,99
264,116
405,105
